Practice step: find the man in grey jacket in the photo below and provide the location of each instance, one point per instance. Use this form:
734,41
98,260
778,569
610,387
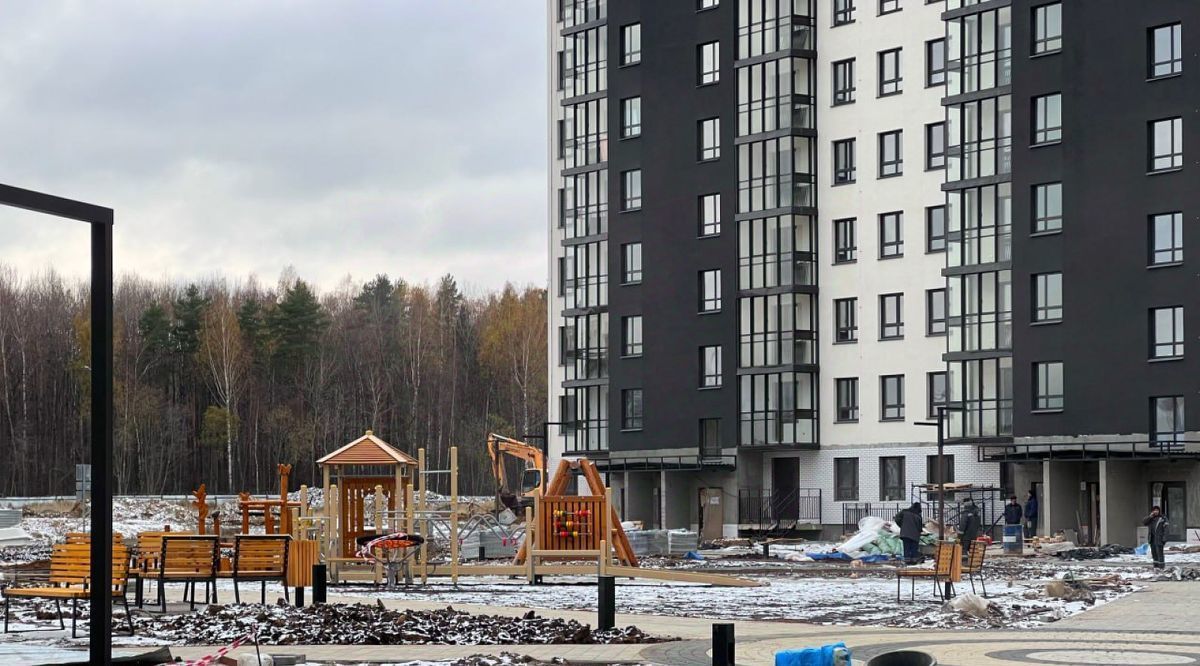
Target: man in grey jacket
1158,536
910,523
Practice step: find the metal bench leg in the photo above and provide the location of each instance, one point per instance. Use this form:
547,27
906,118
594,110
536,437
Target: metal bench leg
58,609
264,592
6,600
138,591
971,577
128,613
74,615
192,600
286,595
983,585
237,595
897,588
214,584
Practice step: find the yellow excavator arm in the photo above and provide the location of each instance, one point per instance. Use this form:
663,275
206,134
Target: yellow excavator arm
533,478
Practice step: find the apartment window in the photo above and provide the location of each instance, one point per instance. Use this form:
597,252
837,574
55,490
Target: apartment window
845,246
847,399
710,214
708,4
891,397
888,6
1047,297
631,44
937,391
935,229
1047,118
891,153
1166,420
1048,385
843,82
891,316
1047,28
935,62
710,366
845,473
935,146
891,235
1166,238
843,12
1166,332
1047,208
891,478
631,409
931,469
631,117
631,263
709,61
710,290
843,161
891,78
1166,50
709,130
1166,144
631,189
845,316
631,335
710,437
935,312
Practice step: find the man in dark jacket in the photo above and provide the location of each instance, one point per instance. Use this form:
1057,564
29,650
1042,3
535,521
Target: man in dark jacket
1158,536
1031,514
1012,511
968,525
910,523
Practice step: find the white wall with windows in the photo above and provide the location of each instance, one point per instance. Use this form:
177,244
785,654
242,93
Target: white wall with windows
896,183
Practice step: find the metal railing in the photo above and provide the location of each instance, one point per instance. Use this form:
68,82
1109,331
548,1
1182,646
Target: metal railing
768,510
1163,448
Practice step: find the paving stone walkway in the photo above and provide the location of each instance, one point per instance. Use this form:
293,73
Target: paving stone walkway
1155,626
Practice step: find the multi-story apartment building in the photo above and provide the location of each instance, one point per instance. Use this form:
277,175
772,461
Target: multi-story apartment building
782,235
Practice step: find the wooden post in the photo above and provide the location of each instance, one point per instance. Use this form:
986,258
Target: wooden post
201,505
333,546
294,521
530,542
284,517
303,500
454,515
409,526
606,530
243,499
378,528
424,521
398,497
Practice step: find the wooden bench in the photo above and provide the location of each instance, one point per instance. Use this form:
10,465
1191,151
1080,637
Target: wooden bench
147,557
259,558
188,559
943,563
70,571
974,565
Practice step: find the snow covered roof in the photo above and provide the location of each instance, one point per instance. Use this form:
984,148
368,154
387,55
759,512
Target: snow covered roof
368,450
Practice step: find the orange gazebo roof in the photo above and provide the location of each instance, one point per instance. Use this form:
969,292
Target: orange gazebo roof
368,450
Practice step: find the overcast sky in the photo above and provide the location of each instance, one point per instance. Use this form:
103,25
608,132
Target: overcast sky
404,137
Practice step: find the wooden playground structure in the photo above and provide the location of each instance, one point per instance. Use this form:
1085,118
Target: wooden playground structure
369,493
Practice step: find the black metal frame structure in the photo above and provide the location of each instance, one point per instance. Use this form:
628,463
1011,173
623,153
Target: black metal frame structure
1034,451
101,221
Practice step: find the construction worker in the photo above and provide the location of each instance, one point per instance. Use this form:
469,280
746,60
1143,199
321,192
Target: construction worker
1031,514
1012,512
1158,535
968,525
910,523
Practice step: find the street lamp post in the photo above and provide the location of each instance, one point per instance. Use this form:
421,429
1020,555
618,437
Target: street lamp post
941,478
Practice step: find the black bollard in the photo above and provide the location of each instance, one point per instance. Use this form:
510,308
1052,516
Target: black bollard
722,644
766,549
299,597
607,606
481,554
318,583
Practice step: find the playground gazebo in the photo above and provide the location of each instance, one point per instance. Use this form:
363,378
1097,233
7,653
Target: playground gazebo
354,470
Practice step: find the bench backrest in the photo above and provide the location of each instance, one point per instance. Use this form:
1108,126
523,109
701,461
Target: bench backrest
70,564
148,554
975,555
943,558
260,554
191,554
86,537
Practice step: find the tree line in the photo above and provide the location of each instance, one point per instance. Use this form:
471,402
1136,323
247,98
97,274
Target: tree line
216,382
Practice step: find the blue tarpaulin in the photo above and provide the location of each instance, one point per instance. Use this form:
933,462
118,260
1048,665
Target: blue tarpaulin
834,654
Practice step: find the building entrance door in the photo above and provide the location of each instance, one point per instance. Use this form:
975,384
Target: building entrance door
785,481
1172,497
712,513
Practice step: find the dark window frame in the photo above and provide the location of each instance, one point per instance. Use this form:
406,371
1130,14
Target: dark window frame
711,377
889,7
845,318
892,490
709,203
708,152
844,85
846,395
1167,347
631,274
845,469
1045,311
891,234
934,75
935,241
1170,253
1044,400
633,409
843,12
891,153
934,159
844,169
1043,131
1046,219
890,329
891,407
630,201
845,240
708,77
931,379
1178,411
631,56
1043,41
709,302
631,130
935,326
893,84
1174,62
1174,157
632,342
947,468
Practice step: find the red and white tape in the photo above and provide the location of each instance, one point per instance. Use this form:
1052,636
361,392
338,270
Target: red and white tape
208,659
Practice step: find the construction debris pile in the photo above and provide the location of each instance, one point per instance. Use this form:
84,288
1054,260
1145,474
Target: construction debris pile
362,624
666,543
876,540
1087,553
